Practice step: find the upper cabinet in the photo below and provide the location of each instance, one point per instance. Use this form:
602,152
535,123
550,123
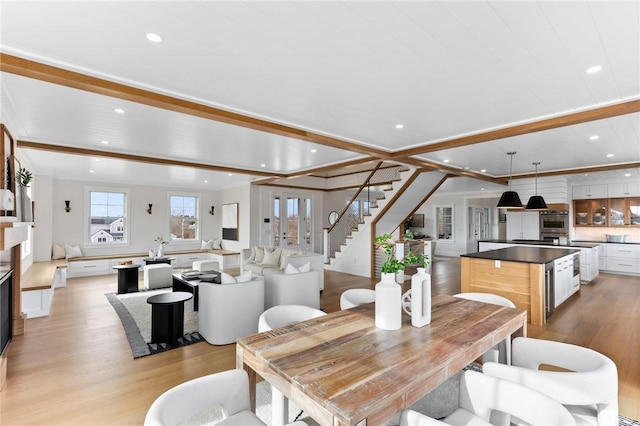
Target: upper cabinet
629,189
607,212
590,212
589,192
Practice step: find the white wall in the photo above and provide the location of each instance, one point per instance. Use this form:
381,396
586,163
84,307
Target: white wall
55,225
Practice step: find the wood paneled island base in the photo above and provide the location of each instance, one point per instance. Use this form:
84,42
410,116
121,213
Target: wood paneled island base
342,370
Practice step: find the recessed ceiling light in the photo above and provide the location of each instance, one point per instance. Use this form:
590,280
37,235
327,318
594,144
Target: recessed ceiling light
156,38
483,171
263,165
314,151
594,137
482,189
206,181
119,110
446,161
467,167
627,174
104,142
399,126
230,174
91,171
609,155
594,69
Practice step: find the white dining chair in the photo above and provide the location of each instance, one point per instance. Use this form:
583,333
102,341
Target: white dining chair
276,317
356,296
502,351
482,395
229,390
587,386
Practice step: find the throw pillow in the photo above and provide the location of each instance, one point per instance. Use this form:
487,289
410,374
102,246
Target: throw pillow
259,254
207,245
217,244
226,278
58,252
305,268
72,251
271,257
290,269
244,277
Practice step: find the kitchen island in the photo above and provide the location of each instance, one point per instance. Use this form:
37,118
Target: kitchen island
536,279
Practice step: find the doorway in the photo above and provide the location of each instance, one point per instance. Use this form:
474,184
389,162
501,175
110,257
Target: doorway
479,220
292,221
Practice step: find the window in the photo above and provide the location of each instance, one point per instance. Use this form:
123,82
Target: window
107,217
444,222
184,224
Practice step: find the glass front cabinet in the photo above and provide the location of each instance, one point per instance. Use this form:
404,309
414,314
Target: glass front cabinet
607,212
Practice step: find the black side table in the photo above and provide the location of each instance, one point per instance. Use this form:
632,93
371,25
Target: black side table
155,260
127,278
167,316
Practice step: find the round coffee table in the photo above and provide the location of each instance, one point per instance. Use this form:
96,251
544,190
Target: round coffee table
167,316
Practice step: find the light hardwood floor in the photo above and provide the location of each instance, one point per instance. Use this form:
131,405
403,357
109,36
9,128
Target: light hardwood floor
75,367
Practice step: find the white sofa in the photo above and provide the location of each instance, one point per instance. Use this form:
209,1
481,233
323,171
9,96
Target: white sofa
278,259
229,311
302,288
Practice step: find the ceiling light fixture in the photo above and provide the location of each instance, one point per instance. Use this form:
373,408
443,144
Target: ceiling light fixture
510,198
399,126
594,69
609,155
483,171
594,137
313,151
536,202
119,110
104,142
156,38
446,161
627,174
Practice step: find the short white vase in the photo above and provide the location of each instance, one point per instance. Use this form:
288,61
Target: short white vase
161,250
388,309
417,301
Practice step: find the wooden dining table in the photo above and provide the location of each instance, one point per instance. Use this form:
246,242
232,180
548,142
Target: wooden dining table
342,370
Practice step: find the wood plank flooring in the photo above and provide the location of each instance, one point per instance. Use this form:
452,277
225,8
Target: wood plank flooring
75,367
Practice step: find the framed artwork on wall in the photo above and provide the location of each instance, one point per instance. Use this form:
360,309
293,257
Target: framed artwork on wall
230,221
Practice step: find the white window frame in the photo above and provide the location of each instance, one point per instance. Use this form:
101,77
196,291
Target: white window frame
437,223
197,196
87,215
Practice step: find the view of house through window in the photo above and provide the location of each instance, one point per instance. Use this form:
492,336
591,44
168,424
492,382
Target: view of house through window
107,222
184,217
444,217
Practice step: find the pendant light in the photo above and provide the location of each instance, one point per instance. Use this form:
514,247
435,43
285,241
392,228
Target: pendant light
536,202
510,198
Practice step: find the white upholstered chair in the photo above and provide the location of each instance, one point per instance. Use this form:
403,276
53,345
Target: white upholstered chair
302,288
502,351
229,311
158,275
229,390
480,395
356,296
280,316
589,390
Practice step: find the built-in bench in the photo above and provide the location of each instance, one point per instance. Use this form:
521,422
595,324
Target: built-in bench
37,286
39,281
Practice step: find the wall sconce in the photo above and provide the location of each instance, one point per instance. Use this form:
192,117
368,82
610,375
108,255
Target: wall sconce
212,209
149,209
67,203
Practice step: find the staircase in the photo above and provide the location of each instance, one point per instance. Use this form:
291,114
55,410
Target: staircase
348,244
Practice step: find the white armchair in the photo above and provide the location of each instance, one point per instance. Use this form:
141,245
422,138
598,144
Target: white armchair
356,296
228,390
292,289
589,390
229,311
482,395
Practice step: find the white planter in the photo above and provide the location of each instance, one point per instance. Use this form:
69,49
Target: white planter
388,309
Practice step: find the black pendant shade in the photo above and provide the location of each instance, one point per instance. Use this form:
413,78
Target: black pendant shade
536,202
510,199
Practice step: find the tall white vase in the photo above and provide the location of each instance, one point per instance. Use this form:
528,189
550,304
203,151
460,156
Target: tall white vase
388,308
420,298
161,250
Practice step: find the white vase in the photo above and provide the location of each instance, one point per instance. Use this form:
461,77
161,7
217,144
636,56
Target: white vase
417,301
161,250
388,309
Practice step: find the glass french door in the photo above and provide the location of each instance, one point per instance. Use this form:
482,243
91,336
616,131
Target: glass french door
479,227
292,221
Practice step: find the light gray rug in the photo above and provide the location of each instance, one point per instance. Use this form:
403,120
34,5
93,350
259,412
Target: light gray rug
135,314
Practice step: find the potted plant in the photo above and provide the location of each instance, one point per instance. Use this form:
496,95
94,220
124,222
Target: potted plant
392,264
23,179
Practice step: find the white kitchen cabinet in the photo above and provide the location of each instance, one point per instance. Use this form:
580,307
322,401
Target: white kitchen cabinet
622,190
589,191
486,246
523,226
563,279
589,264
622,258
